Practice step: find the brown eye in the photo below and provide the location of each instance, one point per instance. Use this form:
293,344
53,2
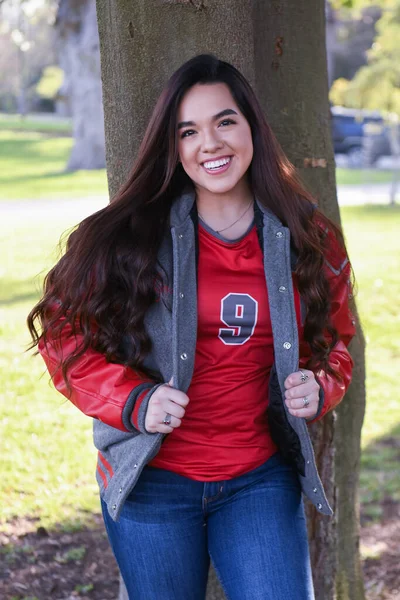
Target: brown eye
187,131
229,121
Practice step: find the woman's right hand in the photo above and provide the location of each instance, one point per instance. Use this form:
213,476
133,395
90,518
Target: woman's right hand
165,400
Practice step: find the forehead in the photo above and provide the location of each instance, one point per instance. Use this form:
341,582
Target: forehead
203,101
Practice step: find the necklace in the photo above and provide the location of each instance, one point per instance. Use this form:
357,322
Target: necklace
232,224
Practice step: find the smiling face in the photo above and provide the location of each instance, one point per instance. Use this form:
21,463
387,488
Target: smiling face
214,139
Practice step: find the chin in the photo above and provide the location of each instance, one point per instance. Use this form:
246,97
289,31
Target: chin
218,187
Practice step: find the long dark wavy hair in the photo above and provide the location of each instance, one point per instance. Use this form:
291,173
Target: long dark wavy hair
105,282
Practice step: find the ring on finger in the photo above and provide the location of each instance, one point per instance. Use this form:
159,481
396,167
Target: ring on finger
303,376
306,401
167,419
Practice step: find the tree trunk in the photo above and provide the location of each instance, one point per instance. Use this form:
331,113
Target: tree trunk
292,83
280,47
79,57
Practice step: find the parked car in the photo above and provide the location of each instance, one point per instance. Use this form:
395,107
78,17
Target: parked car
349,132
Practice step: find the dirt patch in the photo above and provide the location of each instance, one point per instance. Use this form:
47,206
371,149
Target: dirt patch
39,565
56,566
380,546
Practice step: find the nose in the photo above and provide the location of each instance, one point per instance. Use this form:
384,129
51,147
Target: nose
211,142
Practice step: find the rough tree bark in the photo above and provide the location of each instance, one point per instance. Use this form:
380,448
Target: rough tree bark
79,57
279,45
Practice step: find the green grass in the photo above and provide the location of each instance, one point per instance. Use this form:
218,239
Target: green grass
374,246
48,461
33,167
362,176
35,123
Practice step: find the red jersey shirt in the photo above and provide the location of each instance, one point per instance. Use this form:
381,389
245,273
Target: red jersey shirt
224,432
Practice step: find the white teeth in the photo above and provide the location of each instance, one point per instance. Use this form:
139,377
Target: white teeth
216,163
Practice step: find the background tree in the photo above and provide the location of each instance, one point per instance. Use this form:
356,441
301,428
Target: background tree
78,45
141,44
377,84
26,48
354,31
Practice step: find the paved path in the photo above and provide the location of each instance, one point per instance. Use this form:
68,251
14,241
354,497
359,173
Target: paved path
373,193
78,208
75,208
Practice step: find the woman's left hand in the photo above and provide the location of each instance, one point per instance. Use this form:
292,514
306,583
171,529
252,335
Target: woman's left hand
297,390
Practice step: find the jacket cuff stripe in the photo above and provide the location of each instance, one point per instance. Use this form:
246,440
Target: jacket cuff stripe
131,403
135,414
142,410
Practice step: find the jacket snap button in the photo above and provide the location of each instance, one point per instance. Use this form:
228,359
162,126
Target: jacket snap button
319,506
114,507
180,236
287,345
315,490
135,466
120,490
308,462
181,295
279,234
282,288
183,356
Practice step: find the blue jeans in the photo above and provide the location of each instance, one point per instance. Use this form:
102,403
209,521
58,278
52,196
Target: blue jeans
252,527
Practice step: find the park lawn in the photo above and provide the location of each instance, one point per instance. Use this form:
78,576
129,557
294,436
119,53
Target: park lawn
36,122
48,461
374,246
362,176
32,167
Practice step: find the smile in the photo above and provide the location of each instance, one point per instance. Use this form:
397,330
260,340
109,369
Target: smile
217,166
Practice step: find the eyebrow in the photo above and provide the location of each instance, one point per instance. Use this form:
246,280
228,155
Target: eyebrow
222,113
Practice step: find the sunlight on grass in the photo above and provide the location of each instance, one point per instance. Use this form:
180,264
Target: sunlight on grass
373,240
374,245
48,459
33,164
36,122
362,177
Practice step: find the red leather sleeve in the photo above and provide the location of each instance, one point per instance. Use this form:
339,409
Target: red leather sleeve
98,388
339,358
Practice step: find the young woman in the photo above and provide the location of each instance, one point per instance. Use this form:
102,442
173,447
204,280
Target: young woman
202,320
